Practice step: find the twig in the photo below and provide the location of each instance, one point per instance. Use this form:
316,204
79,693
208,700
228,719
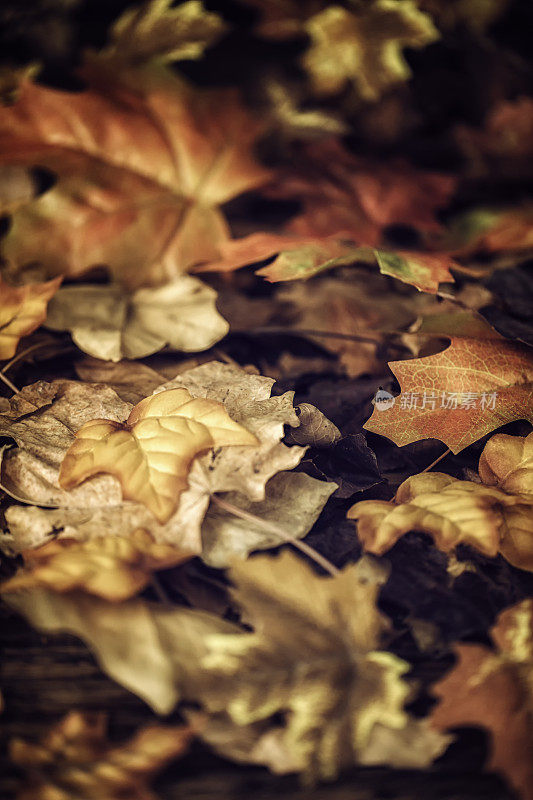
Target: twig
283,535
442,455
23,353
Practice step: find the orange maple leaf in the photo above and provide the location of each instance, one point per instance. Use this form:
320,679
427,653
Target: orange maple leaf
143,166
477,384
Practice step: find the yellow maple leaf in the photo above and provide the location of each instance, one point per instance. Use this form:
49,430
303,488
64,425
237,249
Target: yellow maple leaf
364,47
111,567
22,309
314,658
152,452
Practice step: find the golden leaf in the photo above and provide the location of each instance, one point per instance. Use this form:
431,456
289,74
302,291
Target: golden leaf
495,690
151,453
315,659
22,309
493,518
112,567
74,760
364,46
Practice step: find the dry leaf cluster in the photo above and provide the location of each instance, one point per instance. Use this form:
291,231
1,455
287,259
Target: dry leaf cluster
228,232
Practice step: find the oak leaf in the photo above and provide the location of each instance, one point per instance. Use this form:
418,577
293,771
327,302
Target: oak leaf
111,324
42,420
22,310
364,47
151,453
474,386
495,690
313,658
152,651
156,30
143,165
112,567
74,759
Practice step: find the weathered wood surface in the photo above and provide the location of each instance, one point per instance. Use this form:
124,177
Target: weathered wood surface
42,678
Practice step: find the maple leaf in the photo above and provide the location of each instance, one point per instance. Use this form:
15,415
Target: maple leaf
142,167
489,381
151,453
152,651
42,419
22,310
155,30
111,324
423,270
452,512
346,197
74,759
313,658
112,567
490,230
364,46
495,690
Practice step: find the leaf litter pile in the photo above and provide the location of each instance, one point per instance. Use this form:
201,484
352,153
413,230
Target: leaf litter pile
266,400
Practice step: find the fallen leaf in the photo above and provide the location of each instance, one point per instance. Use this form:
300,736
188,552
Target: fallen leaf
75,760
358,303
152,452
131,380
460,394
507,462
111,324
452,512
303,262
156,30
22,310
363,47
313,659
504,143
315,428
51,413
153,652
350,198
495,515
422,270
111,567
142,167
495,690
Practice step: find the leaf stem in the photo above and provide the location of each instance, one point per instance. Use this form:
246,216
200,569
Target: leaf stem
283,535
20,355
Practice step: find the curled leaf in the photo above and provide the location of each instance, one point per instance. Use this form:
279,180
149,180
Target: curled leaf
151,453
22,310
